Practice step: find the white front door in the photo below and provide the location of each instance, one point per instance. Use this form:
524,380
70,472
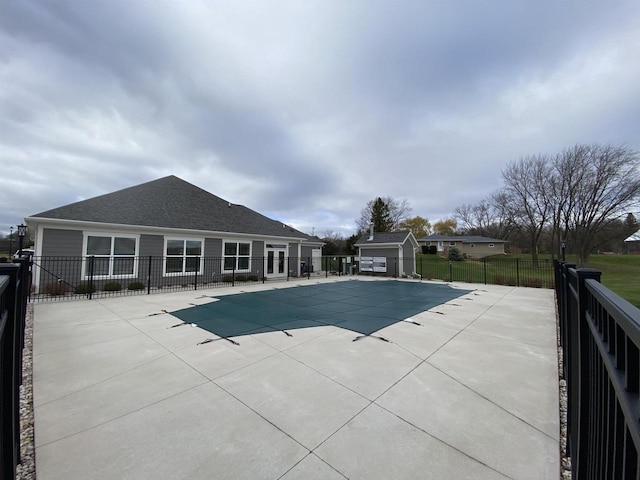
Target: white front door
275,261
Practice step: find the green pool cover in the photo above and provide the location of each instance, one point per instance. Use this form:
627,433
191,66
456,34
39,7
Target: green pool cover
361,306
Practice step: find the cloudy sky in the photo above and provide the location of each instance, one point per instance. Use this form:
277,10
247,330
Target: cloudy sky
305,110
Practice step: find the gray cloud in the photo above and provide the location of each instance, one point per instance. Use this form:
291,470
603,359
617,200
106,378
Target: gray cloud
305,111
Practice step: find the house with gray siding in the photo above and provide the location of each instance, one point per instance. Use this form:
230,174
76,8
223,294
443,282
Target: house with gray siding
472,246
167,222
387,253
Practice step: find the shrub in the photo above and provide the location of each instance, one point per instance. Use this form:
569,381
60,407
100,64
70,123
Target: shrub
83,289
454,255
241,278
112,287
227,278
55,289
136,286
252,278
425,249
433,250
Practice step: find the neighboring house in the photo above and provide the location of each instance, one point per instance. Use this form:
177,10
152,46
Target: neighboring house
472,246
189,230
633,243
389,253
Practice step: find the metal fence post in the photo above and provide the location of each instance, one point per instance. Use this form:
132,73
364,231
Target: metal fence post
91,260
517,272
579,391
149,276
11,362
484,268
195,283
450,271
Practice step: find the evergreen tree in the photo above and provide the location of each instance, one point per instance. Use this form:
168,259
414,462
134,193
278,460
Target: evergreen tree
381,216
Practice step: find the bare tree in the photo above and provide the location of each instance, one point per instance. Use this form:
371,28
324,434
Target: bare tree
601,184
399,210
488,218
525,198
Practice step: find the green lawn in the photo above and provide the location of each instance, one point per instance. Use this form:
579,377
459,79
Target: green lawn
620,273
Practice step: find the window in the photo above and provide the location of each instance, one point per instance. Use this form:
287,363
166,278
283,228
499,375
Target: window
491,245
114,256
182,256
452,244
473,245
237,255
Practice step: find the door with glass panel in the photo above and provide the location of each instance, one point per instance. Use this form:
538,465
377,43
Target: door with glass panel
275,261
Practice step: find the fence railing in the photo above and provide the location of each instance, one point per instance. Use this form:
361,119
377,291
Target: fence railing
600,339
14,289
494,271
56,278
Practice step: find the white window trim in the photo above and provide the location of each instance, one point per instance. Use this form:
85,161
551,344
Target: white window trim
111,256
184,256
491,245
237,241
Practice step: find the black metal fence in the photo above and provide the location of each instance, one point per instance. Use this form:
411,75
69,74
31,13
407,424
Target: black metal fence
14,288
600,338
57,278
494,271
63,278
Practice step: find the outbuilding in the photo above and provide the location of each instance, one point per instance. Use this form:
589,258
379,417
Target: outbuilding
390,254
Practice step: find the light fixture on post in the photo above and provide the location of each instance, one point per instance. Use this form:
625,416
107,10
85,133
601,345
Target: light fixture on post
10,241
563,247
22,232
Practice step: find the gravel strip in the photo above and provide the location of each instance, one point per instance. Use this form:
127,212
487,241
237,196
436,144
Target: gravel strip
26,470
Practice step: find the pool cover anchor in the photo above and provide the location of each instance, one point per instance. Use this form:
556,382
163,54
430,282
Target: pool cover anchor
161,312
372,336
182,325
286,333
209,340
411,321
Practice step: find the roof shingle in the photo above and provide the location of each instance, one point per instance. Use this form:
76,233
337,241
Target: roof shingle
171,202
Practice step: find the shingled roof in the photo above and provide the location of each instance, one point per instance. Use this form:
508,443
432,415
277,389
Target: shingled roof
460,238
383,238
170,202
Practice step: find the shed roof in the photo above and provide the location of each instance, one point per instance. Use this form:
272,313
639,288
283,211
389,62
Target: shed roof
397,238
633,238
171,202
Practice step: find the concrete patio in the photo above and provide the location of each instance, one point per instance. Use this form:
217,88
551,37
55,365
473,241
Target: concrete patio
466,390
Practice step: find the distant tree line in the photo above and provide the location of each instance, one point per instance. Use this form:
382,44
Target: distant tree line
584,196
